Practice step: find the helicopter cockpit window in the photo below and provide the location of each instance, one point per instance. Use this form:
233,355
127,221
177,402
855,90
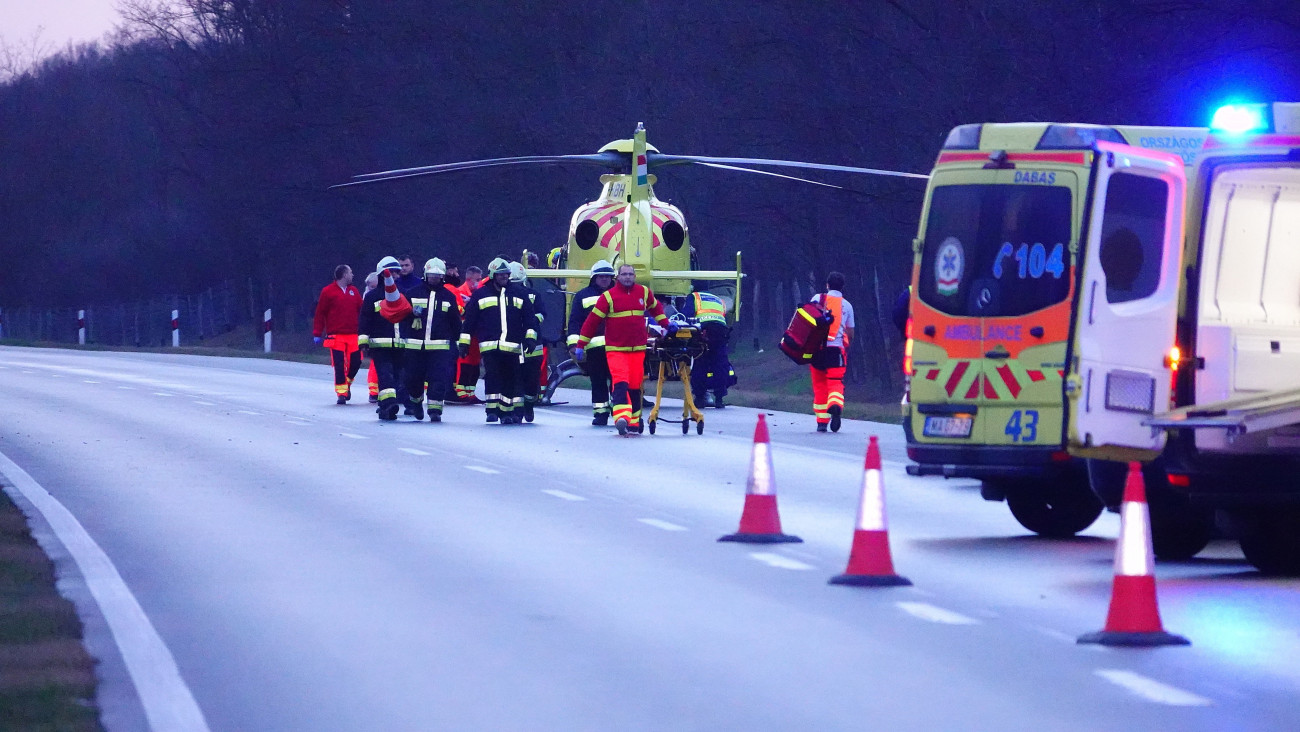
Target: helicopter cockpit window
996,250
586,234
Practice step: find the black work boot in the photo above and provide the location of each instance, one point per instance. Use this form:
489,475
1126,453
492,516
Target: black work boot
835,411
528,412
416,410
600,420
821,426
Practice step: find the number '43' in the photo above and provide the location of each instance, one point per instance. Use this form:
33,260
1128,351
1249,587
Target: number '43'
1023,426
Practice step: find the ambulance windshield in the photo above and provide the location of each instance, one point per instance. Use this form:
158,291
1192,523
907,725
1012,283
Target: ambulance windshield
996,250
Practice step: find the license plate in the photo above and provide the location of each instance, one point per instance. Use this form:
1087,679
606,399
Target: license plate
948,426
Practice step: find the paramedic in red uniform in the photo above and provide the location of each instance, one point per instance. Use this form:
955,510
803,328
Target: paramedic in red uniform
827,367
622,309
335,327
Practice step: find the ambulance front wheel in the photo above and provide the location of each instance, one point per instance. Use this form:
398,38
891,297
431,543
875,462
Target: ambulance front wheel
1270,539
1056,509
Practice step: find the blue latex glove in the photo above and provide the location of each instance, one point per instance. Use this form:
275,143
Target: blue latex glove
579,353
671,327
318,341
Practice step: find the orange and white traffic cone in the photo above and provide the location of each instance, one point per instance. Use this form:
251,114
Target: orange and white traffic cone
1134,618
760,523
870,564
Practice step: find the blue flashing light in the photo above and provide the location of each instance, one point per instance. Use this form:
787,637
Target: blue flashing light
1240,118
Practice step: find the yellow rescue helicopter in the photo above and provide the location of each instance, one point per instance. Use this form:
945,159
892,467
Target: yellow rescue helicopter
627,224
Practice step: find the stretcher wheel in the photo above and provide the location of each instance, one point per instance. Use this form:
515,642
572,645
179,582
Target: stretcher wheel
686,426
652,426
699,427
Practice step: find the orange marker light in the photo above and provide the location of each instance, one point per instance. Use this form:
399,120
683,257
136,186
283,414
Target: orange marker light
1174,358
907,349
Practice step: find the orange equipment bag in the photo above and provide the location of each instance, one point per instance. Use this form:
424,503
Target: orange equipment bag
806,334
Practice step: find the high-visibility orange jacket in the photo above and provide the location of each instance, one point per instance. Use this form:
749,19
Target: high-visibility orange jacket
623,311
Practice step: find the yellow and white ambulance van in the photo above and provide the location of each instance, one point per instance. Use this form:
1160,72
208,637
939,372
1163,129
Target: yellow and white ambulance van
1009,306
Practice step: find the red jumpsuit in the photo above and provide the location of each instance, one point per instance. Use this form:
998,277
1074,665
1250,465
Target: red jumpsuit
336,322
623,311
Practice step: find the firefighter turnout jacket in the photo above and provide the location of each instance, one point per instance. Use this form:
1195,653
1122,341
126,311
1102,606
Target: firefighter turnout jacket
538,318
500,318
434,323
373,330
583,302
622,310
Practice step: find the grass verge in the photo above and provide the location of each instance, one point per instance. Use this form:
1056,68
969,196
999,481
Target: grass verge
47,680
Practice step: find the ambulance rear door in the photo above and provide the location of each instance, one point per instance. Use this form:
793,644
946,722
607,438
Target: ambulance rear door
1128,303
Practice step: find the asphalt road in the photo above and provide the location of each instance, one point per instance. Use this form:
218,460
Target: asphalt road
310,568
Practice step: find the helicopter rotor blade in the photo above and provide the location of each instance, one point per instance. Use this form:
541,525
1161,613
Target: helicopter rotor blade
611,160
659,159
720,166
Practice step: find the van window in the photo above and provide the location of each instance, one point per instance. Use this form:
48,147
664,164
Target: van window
1133,236
996,250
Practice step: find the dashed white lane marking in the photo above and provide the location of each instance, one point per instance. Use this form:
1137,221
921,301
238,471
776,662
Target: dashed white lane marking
202,403
926,611
299,422
25,371
167,701
563,494
249,411
481,469
56,376
778,561
1054,633
163,394
89,381
662,525
412,451
1152,690
127,388
349,435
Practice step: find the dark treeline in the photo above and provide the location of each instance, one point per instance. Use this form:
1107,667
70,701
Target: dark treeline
198,146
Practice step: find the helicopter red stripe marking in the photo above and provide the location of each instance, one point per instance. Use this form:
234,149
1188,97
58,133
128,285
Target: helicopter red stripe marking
974,389
1035,375
955,379
932,375
609,235
609,213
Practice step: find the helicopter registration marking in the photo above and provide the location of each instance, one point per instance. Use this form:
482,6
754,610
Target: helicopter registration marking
618,190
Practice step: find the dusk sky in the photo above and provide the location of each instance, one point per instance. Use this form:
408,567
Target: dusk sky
61,21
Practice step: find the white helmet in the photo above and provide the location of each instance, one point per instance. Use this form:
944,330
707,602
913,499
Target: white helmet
388,263
498,265
517,272
435,266
602,268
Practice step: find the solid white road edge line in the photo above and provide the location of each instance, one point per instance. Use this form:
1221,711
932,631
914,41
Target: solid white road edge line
167,701
481,469
661,524
562,494
1152,690
926,611
778,561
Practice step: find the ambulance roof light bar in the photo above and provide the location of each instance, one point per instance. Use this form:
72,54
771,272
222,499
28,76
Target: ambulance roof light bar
963,137
1241,119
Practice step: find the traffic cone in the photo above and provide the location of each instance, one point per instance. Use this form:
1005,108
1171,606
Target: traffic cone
870,564
1134,618
760,523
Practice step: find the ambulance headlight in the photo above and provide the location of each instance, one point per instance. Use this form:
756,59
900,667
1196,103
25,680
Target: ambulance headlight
1241,118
